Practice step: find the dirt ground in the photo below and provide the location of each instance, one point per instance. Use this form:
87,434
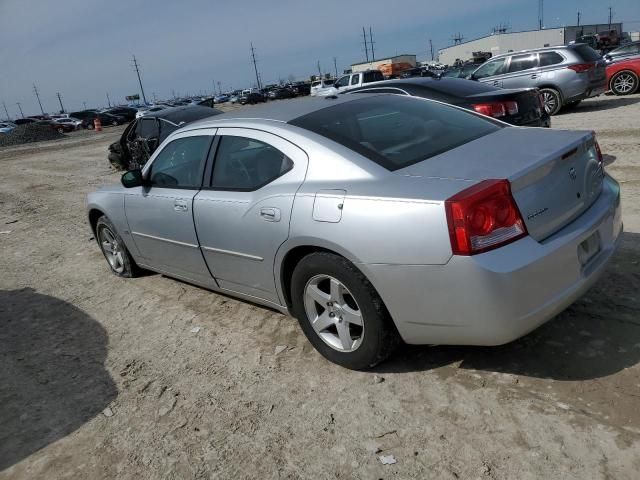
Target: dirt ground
102,377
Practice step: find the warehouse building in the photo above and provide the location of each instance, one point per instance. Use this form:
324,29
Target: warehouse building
499,43
409,60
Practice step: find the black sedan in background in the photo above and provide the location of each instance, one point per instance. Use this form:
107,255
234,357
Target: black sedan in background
142,136
88,117
280,93
522,107
128,113
251,98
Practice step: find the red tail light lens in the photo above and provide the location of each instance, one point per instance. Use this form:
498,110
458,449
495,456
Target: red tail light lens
496,109
483,217
598,153
581,67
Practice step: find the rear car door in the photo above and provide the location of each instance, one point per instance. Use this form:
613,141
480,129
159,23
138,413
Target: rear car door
160,214
242,217
522,71
491,72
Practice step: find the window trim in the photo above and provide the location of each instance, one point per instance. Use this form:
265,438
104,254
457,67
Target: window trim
209,175
149,171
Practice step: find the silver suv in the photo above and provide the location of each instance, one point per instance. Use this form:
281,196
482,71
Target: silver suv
565,75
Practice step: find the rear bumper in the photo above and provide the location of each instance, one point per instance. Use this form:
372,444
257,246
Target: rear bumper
499,296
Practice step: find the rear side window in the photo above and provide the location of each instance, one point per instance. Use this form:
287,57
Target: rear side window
396,131
550,58
523,62
587,53
179,164
355,79
375,76
246,164
148,128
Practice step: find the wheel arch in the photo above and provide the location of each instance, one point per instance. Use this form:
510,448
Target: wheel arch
94,215
623,70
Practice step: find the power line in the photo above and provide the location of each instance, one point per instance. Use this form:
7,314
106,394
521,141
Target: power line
136,66
60,100
373,54
366,48
255,66
20,108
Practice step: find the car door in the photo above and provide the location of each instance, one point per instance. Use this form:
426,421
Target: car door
144,141
522,71
160,214
491,72
242,217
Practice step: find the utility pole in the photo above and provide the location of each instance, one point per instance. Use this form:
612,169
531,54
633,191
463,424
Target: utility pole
5,109
255,66
135,65
540,14
35,90
319,70
155,98
373,55
335,66
219,87
431,47
20,108
578,24
366,48
610,17
108,100
85,105
60,100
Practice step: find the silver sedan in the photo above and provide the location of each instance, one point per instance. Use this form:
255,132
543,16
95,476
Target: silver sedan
373,219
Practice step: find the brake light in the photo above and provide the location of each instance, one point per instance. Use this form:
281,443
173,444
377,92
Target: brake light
581,67
483,217
598,153
496,109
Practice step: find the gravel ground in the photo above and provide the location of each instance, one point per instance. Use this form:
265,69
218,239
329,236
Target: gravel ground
153,378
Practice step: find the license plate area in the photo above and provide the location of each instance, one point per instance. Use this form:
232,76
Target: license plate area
589,248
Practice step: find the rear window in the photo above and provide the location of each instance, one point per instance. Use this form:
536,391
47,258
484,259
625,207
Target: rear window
395,131
550,58
587,53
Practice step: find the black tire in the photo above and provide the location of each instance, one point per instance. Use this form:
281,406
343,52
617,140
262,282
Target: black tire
553,100
624,82
90,126
60,130
129,267
379,334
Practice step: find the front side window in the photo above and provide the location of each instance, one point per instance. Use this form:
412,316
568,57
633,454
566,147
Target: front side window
179,164
246,164
523,62
489,69
343,82
396,131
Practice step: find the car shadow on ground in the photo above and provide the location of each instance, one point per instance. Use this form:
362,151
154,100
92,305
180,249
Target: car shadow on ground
597,336
52,375
608,103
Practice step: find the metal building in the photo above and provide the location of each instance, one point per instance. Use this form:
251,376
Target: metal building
499,43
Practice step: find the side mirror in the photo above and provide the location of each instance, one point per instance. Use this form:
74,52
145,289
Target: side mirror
132,178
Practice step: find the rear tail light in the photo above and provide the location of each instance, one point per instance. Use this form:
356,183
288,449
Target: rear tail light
598,153
496,109
483,217
581,67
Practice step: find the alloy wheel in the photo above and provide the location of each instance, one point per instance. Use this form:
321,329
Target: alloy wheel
111,249
334,313
550,102
624,83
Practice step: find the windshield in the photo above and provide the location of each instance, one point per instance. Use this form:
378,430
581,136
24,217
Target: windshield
395,131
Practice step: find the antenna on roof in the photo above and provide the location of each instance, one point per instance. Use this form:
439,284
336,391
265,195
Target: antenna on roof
457,38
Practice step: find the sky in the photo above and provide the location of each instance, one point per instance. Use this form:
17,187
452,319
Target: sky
83,49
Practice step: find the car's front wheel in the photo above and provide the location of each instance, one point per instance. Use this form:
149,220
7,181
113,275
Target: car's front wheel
624,83
340,312
114,249
552,100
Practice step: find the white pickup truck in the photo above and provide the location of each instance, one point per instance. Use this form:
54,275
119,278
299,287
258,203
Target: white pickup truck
354,80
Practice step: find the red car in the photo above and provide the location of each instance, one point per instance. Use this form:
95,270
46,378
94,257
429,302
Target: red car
622,76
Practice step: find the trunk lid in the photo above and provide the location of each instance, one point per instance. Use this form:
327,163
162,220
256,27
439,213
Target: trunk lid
529,107
555,175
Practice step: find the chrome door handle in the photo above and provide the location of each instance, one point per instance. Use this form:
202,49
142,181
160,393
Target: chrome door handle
270,214
180,206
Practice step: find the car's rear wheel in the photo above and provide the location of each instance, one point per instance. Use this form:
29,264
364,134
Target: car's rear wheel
60,130
552,100
340,312
624,83
90,126
114,250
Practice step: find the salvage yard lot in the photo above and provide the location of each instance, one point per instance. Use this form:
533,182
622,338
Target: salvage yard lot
153,378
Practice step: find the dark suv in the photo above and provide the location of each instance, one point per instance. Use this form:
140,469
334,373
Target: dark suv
565,75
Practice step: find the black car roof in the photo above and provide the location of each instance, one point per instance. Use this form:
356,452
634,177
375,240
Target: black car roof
456,87
186,114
